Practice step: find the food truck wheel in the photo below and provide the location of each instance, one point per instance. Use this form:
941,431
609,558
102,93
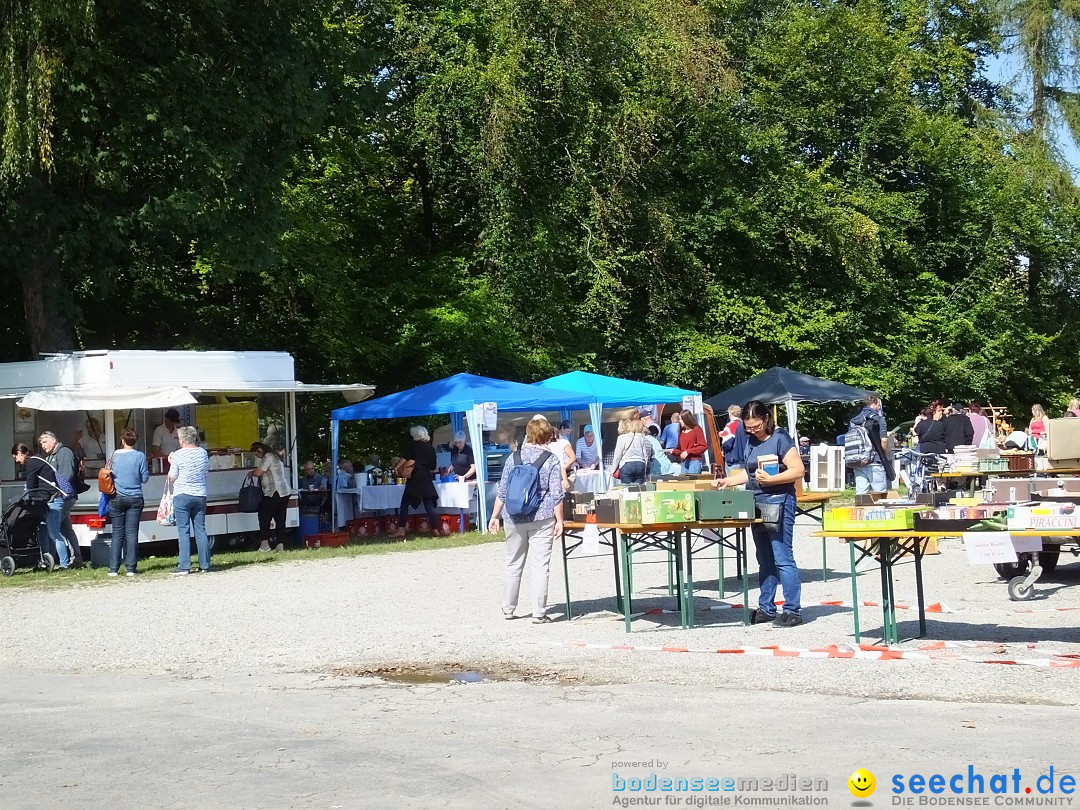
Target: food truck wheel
1049,560
7,566
1018,591
1010,570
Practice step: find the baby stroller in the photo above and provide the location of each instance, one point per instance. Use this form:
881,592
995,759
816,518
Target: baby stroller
19,533
920,469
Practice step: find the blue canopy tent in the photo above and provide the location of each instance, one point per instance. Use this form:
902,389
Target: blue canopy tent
463,396
599,391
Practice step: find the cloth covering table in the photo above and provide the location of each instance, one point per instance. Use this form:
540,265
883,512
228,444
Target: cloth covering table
589,481
453,495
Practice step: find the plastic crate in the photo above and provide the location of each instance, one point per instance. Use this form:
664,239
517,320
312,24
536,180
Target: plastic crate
327,539
1021,462
390,524
421,524
363,528
452,523
993,464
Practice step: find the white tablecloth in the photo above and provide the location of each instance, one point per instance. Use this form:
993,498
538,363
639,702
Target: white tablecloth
456,495
589,481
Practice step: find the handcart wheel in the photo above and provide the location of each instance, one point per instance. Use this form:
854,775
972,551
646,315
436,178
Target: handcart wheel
50,563
1010,570
1018,592
7,566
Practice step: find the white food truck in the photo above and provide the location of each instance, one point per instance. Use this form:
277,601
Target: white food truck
87,398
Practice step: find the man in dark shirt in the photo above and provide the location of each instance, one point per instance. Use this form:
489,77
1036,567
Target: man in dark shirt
958,428
875,476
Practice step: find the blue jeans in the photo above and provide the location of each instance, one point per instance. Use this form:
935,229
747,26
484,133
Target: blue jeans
632,472
125,512
776,560
870,478
190,511
49,533
691,466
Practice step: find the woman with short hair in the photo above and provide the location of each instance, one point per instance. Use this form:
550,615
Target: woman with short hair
274,506
420,485
129,473
188,467
774,491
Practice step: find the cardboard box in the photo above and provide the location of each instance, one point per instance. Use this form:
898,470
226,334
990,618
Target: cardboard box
667,507
870,520
685,485
607,510
728,504
1047,516
630,508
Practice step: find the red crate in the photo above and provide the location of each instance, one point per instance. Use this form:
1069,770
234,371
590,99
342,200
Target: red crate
327,539
421,524
363,528
452,522
390,524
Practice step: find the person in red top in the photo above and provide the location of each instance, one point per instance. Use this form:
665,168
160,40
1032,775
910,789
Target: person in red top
691,444
1037,426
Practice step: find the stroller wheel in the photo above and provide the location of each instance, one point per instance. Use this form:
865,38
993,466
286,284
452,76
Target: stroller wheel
7,566
50,563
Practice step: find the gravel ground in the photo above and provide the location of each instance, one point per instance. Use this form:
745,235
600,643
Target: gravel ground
439,611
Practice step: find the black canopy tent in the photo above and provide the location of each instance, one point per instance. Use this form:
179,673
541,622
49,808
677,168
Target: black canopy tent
782,386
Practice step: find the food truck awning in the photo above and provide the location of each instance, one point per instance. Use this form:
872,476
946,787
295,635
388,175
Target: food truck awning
79,398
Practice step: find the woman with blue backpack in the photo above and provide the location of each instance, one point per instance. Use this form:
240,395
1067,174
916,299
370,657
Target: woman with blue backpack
530,493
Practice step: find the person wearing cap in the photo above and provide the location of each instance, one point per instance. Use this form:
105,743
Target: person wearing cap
588,456
462,459
165,440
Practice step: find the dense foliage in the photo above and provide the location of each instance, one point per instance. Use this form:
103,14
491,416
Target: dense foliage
685,192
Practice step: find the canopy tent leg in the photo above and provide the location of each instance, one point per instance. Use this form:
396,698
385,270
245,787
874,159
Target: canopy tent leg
334,426
595,410
476,436
792,408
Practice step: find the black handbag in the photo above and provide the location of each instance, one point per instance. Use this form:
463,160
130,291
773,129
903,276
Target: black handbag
251,494
771,514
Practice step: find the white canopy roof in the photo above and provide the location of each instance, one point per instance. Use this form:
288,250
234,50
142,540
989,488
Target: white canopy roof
79,398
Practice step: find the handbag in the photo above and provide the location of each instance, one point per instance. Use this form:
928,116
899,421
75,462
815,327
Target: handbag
103,505
165,514
106,484
251,494
404,468
771,514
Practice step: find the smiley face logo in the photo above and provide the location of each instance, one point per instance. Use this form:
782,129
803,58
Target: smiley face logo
861,783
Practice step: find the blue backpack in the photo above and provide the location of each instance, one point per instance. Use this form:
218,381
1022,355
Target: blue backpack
523,492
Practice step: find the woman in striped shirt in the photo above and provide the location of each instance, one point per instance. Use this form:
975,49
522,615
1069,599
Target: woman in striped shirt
187,471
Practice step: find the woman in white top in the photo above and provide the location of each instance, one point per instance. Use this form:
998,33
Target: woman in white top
561,448
276,491
632,452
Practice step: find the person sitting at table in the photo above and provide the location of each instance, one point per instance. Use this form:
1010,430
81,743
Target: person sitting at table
588,457
774,541
420,485
462,460
313,488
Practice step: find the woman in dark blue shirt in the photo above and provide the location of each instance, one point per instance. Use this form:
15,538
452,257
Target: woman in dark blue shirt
774,489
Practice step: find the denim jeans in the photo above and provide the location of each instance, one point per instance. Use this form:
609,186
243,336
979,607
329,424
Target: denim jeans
632,472
68,531
125,512
692,466
50,541
776,560
190,511
870,478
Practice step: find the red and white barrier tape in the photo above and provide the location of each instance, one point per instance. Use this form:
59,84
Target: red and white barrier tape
861,652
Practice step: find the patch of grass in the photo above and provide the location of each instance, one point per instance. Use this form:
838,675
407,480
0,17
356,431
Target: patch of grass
161,566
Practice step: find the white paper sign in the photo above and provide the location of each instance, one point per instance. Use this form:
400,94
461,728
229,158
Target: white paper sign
491,416
688,403
590,539
1022,544
989,547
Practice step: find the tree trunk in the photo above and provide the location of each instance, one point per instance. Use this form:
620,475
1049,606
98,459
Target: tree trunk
47,325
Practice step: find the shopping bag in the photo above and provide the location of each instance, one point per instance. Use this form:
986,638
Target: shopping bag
165,508
251,495
103,505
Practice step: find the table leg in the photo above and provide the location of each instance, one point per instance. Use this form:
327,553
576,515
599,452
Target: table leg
626,585
630,567
615,563
720,575
919,547
566,574
670,573
854,588
461,522
824,560
740,556
884,550
686,539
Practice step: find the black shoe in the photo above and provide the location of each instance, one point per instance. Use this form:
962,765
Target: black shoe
788,620
758,616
